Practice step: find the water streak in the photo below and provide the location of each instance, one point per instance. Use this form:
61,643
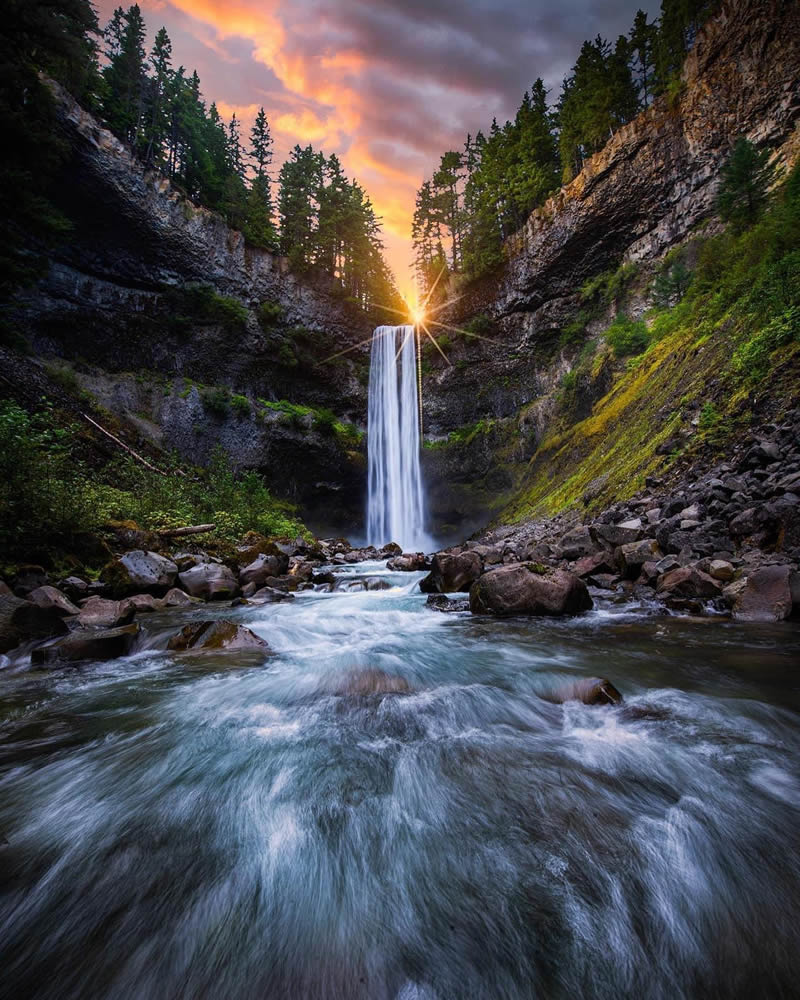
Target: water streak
395,509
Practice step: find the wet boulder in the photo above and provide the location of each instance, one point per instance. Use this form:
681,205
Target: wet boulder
589,690
270,595
21,621
441,602
51,597
529,589
89,644
770,594
408,562
216,635
177,598
209,581
143,603
452,573
139,572
264,566
98,612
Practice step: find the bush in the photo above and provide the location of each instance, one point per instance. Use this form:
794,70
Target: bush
217,401
270,313
240,405
48,495
627,337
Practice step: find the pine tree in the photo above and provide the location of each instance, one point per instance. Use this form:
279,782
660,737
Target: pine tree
125,77
300,180
745,181
643,36
158,116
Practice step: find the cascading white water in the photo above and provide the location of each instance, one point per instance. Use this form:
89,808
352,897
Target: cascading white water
395,509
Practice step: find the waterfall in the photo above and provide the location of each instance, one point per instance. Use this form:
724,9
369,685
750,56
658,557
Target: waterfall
395,509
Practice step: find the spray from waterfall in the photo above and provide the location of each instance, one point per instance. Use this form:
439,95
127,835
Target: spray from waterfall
395,509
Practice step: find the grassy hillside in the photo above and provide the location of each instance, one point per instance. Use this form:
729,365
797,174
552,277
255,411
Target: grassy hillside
700,367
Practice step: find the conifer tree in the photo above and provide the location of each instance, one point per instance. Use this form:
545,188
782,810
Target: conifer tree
745,182
125,77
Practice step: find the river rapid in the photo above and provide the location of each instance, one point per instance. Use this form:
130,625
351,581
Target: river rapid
233,826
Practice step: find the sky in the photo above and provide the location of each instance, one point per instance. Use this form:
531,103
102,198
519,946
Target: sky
387,85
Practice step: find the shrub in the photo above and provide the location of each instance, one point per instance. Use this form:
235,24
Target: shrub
240,405
217,401
709,416
627,337
270,313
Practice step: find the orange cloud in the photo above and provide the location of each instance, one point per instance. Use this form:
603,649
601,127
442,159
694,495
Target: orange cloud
329,108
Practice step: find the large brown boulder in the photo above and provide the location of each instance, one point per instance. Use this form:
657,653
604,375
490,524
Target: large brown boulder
211,581
529,589
408,562
140,572
768,595
688,581
264,566
452,573
97,612
51,597
88,645
214,635
21,621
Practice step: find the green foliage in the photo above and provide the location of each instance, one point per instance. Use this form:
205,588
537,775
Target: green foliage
240,405
48,495
610,286
269,314
746,178
627,337
217,401
480,325
672,280
196,304
709,416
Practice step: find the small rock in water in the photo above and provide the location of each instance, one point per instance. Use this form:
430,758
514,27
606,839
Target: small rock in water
372,681
214,635
589,690
441,602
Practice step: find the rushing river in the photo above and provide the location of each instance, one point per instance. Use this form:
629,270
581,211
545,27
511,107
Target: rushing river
226,826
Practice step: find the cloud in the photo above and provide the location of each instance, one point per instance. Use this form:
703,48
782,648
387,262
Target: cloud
388,85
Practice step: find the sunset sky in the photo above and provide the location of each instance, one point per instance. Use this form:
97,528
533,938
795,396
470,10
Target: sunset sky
388,85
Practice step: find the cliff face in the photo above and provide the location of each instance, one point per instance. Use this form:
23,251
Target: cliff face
648,190
118,298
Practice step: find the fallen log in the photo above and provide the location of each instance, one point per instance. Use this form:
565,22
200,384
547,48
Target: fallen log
191,529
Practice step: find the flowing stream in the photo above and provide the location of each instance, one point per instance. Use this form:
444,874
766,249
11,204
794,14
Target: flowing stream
238,826
395,508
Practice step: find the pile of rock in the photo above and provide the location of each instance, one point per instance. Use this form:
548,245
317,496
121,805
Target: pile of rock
728,541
